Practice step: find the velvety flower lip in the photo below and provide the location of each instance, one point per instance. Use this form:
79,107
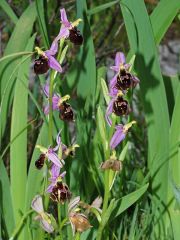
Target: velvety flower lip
109,109
120,134
43,217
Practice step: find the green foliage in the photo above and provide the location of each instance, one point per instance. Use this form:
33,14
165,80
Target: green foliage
139,200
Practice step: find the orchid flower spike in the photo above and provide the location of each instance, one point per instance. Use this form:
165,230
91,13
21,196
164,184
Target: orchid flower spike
123,79
47,60
50,153
69,29
120,134
44,218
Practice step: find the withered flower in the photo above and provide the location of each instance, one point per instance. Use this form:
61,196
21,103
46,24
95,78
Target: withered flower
112,164
79,222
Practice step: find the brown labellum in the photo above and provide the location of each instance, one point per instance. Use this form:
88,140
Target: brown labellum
112,164
66,112
39,163
60,193
41,65
121,107
124,80
75,36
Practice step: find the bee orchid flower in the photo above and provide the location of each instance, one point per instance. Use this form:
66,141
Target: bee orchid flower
46,220
69,29
123,79
50,153
47,60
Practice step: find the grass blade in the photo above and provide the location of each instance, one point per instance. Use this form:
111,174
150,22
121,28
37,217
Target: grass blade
5,200
175,166
141,39
8,10
18,163
102,7
42,22
17,43
161,18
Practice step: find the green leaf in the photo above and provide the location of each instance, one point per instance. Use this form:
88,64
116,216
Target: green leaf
102,127
141,38
42,22
8,10
175,167
171,84
102,7
17,43
18,148
162,17
5,199
119,206
14,55
105,91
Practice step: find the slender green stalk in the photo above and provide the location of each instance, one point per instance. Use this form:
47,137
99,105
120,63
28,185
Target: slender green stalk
77,236
59,220
50,108
106,183
20,225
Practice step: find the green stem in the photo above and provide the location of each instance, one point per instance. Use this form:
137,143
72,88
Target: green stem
59,220
50,107
106,184
52,77
77,236
20,225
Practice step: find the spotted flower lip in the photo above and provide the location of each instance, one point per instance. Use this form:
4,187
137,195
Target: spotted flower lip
43,217
47,55
51,154
109,109
120,134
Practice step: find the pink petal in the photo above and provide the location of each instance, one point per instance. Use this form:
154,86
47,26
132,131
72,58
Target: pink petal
120,59
46,226
64,19
54,64
109,111
115,68
118,136
52,156
37,204
113,81
64,32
